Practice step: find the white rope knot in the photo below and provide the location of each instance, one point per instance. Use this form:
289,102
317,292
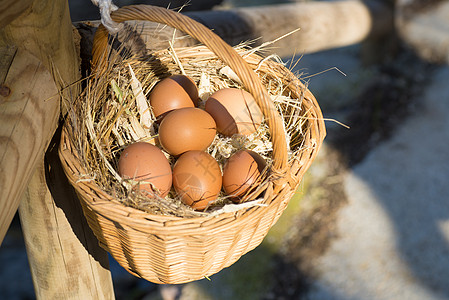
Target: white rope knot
106,7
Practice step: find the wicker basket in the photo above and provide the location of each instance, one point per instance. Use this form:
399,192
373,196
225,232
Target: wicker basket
169,249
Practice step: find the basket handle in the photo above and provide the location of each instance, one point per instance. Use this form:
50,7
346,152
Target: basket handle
220,48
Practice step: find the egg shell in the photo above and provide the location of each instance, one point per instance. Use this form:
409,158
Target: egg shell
146,163
197,179
174,92
186,129
235,111
242,172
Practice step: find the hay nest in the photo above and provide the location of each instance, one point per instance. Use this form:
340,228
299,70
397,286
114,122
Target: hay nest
113,112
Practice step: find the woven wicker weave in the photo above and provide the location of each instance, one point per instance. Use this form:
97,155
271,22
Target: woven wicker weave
168,249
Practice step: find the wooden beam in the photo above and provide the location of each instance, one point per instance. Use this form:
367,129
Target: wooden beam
41,65
45,30
11,9
65,258
29,109
323,25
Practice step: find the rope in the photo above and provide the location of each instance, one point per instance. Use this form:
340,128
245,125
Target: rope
106,7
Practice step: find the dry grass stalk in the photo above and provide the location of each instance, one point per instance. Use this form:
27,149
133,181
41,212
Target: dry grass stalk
113,112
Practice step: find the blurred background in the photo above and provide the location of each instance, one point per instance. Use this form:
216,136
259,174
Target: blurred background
371,218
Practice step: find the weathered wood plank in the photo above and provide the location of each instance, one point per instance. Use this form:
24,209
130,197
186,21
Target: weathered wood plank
45,30
11,9
28,118
65,258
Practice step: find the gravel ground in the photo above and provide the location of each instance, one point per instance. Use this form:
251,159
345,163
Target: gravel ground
393,233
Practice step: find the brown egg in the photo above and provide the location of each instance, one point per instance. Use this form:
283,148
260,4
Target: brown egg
174,92
146,163
186,129
235,111
197,179
242,172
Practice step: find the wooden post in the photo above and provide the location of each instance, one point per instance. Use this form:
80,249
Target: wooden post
44,30
65,258
323,24
11,9
29,108
37,72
